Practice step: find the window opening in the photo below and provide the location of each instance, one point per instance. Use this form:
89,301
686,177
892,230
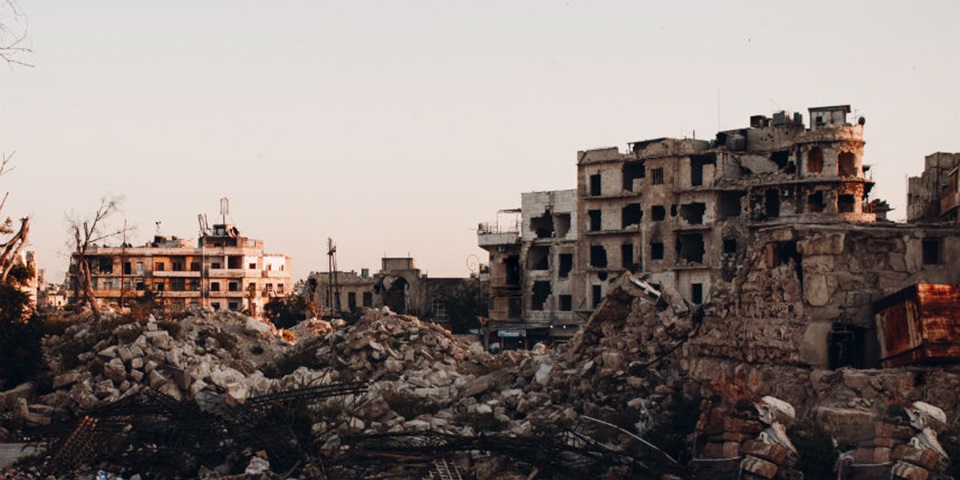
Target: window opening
541,290
538,258
595,184
626,255
815,202
696,293
633,171
658,213
566,303
845,203
691,247
692,213
656,250
656,176
566,264
932,248
846,164
631,216
598,256
595,220
772,203
815,160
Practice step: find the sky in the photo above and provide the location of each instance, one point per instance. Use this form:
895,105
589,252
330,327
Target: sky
395,127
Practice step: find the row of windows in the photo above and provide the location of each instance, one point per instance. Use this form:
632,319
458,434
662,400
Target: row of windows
105,266
690,247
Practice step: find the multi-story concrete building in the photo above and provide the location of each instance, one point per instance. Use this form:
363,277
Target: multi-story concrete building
680,210
933,196
225,270
532,265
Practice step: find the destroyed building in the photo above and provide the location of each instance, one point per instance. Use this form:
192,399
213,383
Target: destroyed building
934,196
399,286
531,269
685,213
225,270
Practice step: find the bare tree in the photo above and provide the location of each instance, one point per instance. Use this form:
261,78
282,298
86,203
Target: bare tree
13,40
86,233
10,248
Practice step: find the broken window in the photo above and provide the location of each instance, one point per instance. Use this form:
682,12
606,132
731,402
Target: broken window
541,290
367,299
659,213
932,248
815,160
542,225
513,307
595,184
595,220
158,286
846,164
845,203
696,293
194,285
214,286
730,245
815,202
772,203
633,171
194,266
566,303
234,306
538,258
177,266
561,224
730,204
691,247
234,262
782,159
696,167
598,256
215,305
631,215
656,176
626,255
158,267
352,301
566,264
127,268
692,213
512,264
656,250
215,265
233,286
252,266
597,296
106,265
178,284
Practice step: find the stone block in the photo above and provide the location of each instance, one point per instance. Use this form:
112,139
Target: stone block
759,467
891,430
871,455
906,471
721,450
847,426
920,457
771,452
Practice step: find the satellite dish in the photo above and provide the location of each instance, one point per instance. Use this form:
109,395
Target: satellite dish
861,121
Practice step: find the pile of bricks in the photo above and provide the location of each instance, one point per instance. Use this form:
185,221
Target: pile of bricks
739,441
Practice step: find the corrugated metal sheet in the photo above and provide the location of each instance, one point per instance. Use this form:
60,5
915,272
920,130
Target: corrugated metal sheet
919,325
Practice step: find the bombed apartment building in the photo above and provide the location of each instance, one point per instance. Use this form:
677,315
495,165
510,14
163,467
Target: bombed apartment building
401,287
225,270
934,196
681,210
533,254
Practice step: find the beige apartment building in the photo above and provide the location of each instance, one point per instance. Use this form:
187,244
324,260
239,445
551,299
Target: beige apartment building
224,270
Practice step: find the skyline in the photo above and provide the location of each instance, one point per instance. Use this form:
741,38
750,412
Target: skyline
396,129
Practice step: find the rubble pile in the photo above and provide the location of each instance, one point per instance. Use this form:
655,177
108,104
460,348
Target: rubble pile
99,363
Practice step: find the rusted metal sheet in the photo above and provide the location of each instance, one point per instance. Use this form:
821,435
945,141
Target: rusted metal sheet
919,325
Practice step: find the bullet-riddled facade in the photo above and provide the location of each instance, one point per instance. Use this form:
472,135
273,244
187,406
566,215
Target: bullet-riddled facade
680,210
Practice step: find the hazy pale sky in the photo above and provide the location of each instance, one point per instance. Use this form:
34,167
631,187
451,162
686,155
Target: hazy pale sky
395,127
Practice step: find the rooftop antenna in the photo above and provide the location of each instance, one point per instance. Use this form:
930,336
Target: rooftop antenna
224,208
158,227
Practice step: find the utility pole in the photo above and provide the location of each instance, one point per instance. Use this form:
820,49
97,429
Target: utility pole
333,287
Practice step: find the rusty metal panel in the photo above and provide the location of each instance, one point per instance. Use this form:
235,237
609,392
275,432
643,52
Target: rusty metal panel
919,324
